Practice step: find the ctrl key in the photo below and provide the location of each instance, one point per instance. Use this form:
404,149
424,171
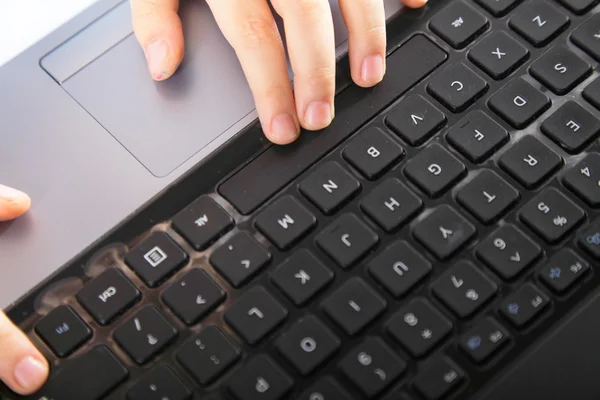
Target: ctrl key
260,379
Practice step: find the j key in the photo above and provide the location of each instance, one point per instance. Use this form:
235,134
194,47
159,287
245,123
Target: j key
391,204
551,215
530,161
193,296
579,6
434,170
589,239
499,54
372,366
483,340
487,196
260,379
255,315
464,289
108,296
419,327
325,389
519,103
329,186
444,232
307,344
240,259
207,355
347,240
523,306
438,378
73,380
354,305
499,8
585,37
560,70
572,127
301,277
63,330
539,22
457,87
160,384
508,251
285,222
399,268
145,334
563,271
592,93
202,222
477,136
415,120
459,24
156,258
372,152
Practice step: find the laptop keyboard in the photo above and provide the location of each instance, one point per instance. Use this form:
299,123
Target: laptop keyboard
411,260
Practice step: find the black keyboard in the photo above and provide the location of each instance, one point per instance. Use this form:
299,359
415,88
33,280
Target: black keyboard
413,250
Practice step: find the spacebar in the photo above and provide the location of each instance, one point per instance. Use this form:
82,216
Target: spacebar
276,167
564,366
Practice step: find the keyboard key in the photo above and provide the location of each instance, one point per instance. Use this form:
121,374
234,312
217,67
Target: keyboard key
499,54
202,223
399,268
108,296
145,334
63,330
285,222
301,277
160,384
325,389
477,136
260,379
464,289
457,87
307,344
459,24
372,366
391,204
519,103
444,232
347,240
354,306
539,22
239,259
415,120
572,127
73,380
193,296
530,162
419,327
487,196
585,37
434,170
156,258
560,70
255,314
579,6
483,340
372,153
563,270
207,355
438,378
508,252
499,8
524,305
329,186
551,215
589,239
592,93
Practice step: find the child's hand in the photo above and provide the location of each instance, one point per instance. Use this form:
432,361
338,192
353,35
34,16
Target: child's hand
250,28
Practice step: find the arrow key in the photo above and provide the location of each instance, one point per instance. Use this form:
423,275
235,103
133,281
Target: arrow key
415,120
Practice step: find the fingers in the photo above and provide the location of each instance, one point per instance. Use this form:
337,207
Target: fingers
158,29
414,3
22,366
13,204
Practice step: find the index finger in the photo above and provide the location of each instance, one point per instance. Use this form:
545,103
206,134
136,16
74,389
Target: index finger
13,203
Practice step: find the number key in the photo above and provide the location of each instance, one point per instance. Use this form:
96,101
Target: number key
584,179
372,152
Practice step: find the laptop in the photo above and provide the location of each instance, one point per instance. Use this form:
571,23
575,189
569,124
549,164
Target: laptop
437,241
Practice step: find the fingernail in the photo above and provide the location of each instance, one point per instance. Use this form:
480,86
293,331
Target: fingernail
156,56
8,193
30,373
284,129
318,114
372,69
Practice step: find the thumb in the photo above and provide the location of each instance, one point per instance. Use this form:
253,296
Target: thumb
13,203
22,366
